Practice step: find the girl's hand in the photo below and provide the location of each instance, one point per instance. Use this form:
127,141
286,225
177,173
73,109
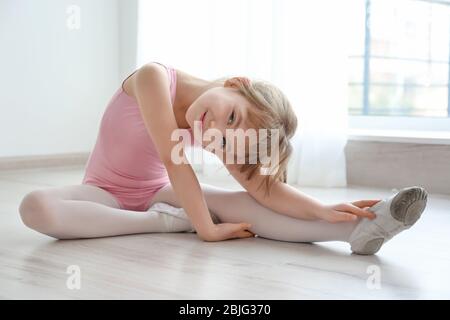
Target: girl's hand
226,231
344,212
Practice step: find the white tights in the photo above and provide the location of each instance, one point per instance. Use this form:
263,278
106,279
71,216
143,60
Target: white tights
86,211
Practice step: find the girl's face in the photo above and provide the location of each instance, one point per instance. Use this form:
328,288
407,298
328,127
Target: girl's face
220,108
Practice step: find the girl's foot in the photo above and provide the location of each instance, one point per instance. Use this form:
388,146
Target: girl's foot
174,219
394,214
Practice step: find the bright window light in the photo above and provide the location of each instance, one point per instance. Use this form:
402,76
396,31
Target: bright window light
399,61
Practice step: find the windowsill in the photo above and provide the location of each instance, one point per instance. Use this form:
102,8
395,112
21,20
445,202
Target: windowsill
404,136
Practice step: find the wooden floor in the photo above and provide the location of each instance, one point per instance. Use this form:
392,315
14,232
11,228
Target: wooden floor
414,265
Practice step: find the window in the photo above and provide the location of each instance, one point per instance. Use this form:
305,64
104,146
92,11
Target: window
399,59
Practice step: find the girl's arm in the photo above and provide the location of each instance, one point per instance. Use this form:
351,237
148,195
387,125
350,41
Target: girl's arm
150,86
289,201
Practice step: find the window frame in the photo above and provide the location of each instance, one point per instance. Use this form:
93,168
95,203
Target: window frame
377,122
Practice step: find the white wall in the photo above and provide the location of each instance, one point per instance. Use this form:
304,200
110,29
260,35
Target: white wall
127,36
55,82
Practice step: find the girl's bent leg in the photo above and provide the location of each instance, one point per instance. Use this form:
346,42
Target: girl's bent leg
83,211
238,206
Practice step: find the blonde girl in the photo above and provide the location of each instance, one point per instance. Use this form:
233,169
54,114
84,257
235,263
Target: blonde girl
131,170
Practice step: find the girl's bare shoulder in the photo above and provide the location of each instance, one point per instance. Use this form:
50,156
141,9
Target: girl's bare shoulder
127,84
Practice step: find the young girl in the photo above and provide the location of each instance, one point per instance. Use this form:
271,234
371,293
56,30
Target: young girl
133,185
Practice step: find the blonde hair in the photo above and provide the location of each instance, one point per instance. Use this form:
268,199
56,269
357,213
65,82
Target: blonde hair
272,110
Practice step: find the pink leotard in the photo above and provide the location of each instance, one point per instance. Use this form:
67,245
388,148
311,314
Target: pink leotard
124,160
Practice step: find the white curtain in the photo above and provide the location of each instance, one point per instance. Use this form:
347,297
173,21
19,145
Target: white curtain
300,46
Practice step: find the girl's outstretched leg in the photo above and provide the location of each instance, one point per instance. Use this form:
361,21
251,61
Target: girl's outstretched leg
393,215
238,206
